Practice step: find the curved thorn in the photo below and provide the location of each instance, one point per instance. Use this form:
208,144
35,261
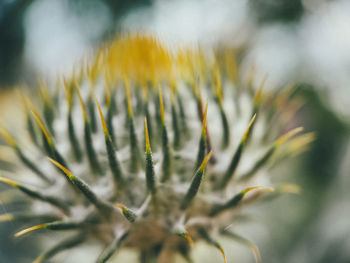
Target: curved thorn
8,138
30,229
161,105
128,99
150,175
147,142
246,242
234,201
129,215
246,133
205,161
211,241
42,127
37,195
287,136
196,182
204,122
112,158
102,206
64,169
237,156
183,233
8,181
82,104
104,125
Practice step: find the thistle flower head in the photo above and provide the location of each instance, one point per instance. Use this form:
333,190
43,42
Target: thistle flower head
149,148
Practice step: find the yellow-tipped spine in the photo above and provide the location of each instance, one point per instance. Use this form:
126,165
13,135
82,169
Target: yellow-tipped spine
196,182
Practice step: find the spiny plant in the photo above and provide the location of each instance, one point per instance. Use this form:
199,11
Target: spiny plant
209,139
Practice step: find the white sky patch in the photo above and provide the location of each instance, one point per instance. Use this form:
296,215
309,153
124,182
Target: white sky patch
325,41
189,21
57,39
274,52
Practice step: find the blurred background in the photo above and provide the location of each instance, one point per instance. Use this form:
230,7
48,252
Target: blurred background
293,41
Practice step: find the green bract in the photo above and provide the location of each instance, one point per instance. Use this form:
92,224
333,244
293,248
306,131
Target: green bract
199,164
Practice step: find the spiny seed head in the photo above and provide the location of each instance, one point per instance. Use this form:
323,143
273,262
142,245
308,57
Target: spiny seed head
97,182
